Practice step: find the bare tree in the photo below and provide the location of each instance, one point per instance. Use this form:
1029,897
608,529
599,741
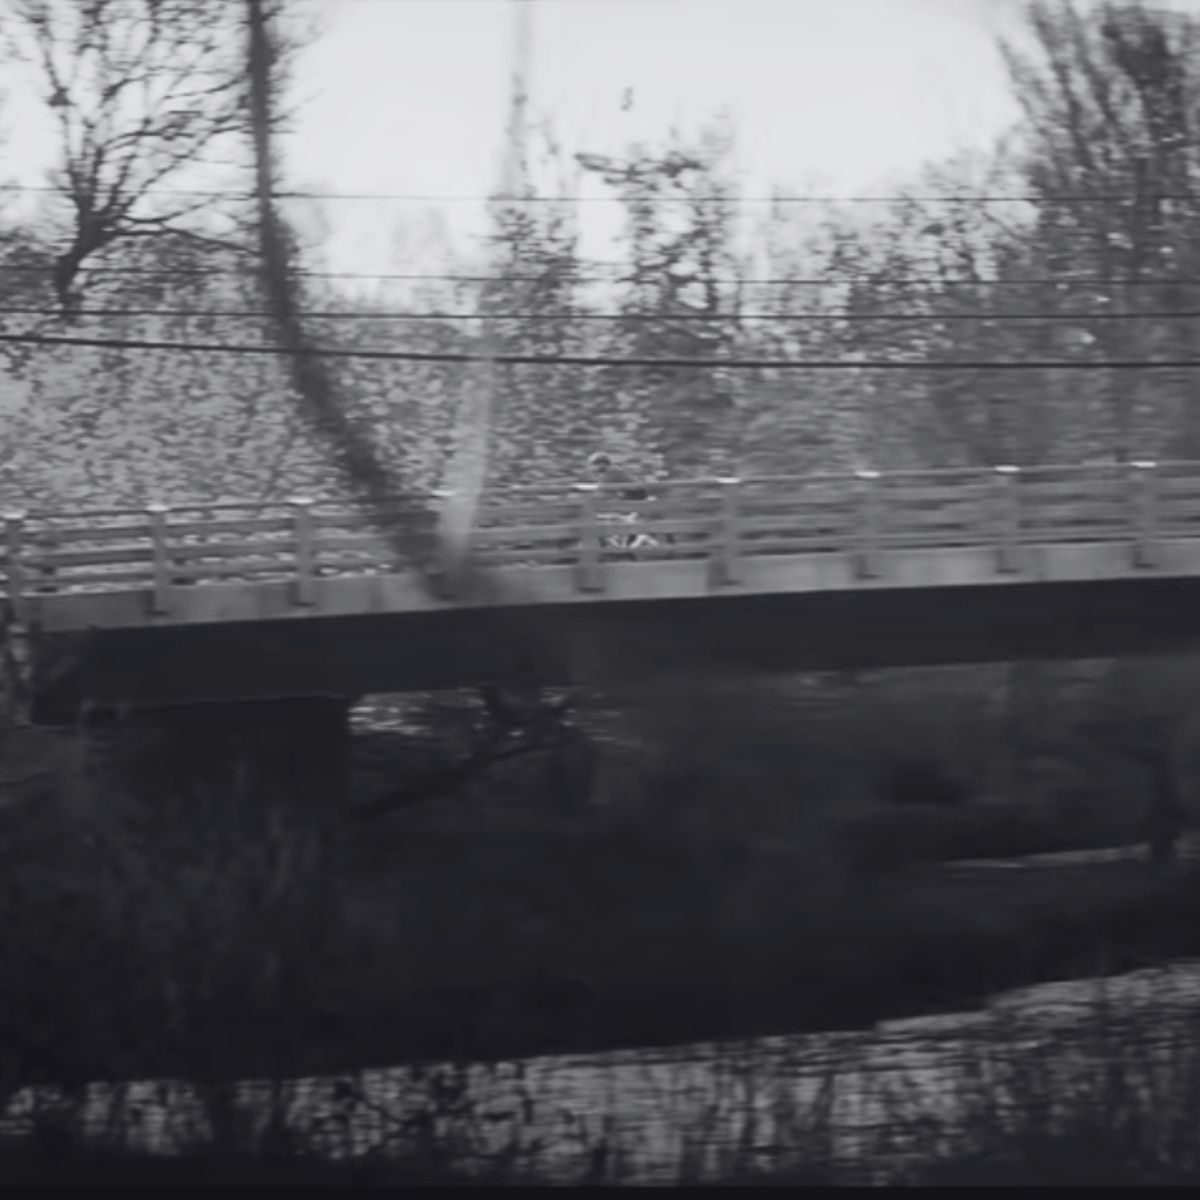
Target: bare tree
142,92
354,454
1110,98
358,461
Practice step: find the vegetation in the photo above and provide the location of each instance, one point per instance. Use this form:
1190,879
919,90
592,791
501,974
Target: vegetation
521,872
147,934
1108,1104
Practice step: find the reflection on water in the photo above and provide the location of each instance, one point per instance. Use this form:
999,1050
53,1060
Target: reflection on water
869,1100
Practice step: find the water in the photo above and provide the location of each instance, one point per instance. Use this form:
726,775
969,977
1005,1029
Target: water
869,1102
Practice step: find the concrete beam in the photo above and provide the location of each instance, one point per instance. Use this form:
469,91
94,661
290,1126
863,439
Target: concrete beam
892,570
874,627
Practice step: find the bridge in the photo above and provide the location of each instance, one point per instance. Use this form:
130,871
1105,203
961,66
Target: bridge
276,616
243,601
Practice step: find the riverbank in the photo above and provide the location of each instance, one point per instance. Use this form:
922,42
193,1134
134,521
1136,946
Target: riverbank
1065,1084
488,933
1061,1162
935,939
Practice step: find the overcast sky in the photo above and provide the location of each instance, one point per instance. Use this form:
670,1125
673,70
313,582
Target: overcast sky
408,98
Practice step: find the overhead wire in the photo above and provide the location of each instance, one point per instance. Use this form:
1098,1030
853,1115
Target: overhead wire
589,360
602,272
475,198
633,317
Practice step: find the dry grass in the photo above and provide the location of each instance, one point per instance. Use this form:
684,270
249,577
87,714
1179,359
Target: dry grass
1100,1105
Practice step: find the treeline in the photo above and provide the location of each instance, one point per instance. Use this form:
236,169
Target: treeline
1070,241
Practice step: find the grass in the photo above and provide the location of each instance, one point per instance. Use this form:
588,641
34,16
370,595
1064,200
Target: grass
686,949
1125,1115
428,962
691,922
21,1165
1077,1161
751,892
724,907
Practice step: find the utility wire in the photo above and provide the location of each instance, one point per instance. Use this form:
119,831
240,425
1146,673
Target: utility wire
600,272
637,317
586,360
451,198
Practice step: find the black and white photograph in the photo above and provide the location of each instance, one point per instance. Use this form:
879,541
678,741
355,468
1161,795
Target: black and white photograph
600,593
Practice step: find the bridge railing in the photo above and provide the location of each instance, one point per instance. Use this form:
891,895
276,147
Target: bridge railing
722,521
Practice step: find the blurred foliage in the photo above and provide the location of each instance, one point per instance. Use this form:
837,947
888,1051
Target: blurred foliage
1109,98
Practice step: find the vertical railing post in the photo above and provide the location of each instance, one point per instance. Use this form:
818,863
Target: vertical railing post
160,562
869,524
1009,517
589,573
727,558
14,529
304,550
1145,513
446,560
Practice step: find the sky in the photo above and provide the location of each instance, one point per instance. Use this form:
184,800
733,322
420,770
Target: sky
408,99
410,96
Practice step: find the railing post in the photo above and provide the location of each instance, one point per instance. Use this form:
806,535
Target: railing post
1008,518
590,575
304,585
156,515
870,525
1145,513
727,559
14,528
446,552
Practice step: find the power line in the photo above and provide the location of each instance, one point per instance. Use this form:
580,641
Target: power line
259,314
206,272
603,271
453,198
585,360
49,189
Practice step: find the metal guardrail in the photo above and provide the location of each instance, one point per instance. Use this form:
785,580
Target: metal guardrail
724,521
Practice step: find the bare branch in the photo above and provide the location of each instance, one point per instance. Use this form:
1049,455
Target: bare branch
453,778
152,227
142,91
